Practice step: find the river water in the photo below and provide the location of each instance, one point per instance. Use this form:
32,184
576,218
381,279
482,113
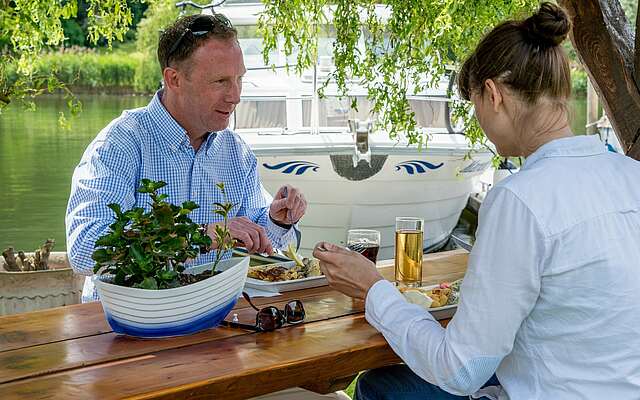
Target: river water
37,159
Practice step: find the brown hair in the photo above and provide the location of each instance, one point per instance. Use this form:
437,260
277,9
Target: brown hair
221,28
525,55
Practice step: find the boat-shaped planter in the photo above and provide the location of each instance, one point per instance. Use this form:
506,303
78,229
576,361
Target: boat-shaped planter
178,311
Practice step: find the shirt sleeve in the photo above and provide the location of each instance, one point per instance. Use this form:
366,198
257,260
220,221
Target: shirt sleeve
106,174
255,206
499,290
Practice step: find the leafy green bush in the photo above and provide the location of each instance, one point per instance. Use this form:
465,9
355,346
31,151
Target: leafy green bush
85,68
148,249
90,69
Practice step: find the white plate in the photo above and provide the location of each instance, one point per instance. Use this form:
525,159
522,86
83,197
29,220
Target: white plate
286,286
441,312
444,311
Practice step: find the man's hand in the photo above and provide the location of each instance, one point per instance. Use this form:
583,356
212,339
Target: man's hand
288,206
253,236
347,271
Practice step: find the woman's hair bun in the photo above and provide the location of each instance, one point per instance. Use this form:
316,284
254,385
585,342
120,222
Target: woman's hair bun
549,26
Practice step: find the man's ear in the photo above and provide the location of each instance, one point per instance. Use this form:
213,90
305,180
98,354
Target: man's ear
495,96
172,78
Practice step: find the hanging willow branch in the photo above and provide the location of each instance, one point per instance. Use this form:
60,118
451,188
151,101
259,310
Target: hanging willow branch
408,46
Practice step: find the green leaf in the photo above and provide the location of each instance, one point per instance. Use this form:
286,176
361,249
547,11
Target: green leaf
148,283
101,256
167,275
190,205
137,253
116,208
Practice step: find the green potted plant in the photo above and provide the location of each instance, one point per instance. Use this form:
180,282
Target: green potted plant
141,277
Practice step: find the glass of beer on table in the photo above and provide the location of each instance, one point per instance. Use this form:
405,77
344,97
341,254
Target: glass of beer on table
365,242
408,261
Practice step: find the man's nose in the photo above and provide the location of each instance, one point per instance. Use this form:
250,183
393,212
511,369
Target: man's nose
233,95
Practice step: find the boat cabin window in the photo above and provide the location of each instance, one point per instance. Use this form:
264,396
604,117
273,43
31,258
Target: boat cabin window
335,112
430,113
269,113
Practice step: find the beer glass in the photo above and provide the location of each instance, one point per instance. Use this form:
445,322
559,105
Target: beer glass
408,261
365,242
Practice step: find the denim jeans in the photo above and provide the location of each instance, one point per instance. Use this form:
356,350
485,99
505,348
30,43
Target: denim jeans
398,382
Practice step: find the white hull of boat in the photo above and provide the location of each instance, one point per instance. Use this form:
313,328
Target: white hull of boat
432,183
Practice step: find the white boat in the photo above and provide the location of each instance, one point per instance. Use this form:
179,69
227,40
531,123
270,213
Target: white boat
352,177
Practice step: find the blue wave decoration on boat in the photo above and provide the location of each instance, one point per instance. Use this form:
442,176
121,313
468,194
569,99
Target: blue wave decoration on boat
417,166
288,167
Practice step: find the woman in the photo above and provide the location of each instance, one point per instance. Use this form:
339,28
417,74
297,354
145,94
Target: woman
550,302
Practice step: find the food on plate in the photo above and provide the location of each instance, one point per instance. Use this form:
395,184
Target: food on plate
292,254
304,268
415,296
312,267
278,273
269,272
442,295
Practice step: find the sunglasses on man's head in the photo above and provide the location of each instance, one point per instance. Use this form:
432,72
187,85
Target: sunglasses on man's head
271,318
200,26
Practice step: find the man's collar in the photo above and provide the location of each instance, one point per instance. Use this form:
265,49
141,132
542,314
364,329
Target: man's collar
168,128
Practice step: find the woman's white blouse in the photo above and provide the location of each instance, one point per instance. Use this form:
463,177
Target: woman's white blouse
551,298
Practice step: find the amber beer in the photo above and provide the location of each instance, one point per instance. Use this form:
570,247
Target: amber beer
409,242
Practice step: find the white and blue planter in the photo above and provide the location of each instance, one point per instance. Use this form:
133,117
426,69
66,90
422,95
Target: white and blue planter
178,311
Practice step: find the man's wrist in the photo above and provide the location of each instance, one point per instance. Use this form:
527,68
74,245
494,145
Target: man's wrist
280,224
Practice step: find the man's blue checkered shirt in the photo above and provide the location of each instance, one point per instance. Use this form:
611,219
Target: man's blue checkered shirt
148,143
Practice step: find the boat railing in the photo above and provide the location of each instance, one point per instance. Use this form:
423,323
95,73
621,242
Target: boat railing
361,130
202,7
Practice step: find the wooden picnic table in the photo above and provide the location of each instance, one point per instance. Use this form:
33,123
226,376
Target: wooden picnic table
71,353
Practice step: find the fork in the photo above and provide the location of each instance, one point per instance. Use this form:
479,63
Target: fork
293,225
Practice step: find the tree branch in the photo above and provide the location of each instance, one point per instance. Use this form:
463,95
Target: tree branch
604,43
637,49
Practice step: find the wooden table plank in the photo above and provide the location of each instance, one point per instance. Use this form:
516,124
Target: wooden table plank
239,366
53,325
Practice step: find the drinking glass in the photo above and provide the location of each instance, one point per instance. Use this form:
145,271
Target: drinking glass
408,261
365,242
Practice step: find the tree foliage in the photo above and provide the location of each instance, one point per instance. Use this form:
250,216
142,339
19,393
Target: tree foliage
158,16
28,27
403,48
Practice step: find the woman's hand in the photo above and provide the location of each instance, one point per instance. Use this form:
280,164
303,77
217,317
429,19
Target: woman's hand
347,271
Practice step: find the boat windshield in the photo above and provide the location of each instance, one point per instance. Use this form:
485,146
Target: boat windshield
278,100
335,112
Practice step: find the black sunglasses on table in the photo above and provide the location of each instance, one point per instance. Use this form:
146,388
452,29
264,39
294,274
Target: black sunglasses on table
200,26
271,318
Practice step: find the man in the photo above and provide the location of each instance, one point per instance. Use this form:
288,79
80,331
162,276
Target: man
181,138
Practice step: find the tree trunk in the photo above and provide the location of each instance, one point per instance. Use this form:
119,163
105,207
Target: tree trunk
605,44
